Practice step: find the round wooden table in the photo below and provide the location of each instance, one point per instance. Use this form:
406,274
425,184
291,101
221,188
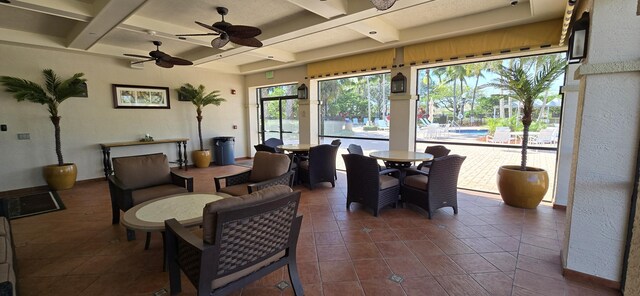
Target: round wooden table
399,158
296,147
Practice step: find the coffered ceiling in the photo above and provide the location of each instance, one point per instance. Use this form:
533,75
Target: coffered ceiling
294,32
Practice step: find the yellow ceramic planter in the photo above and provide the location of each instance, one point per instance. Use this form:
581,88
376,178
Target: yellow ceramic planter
522,189
60,177
201,158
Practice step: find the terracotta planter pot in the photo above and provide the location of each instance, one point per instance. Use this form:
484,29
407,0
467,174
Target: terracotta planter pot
60,177
522,189
201,158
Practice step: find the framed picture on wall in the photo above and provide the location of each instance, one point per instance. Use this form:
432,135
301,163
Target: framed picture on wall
136,96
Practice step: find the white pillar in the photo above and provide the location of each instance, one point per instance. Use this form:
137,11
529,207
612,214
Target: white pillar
607,130
308,114
252,110
402,131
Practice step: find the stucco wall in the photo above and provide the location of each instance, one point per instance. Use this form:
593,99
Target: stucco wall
608,144
89,121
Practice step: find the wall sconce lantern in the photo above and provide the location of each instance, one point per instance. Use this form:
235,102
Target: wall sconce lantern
398,83
302,92
579,39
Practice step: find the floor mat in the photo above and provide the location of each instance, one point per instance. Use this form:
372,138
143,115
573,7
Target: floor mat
32,204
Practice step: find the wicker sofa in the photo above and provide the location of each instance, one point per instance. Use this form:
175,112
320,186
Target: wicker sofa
7,254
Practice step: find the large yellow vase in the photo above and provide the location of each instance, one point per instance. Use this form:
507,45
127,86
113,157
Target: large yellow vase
60,177
522,189
201,158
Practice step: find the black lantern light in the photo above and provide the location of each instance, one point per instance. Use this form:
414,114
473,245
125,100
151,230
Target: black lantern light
579,37
398,83
302,92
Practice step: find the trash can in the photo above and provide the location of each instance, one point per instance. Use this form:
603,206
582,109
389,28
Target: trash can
223,150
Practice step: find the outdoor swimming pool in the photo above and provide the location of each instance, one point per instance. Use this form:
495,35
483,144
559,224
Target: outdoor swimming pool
470,132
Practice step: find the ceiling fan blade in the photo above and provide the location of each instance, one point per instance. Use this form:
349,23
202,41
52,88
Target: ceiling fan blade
157,54
164,64
210,27
136,56
178,61
143,61
203,34
220,41
243,31
253,42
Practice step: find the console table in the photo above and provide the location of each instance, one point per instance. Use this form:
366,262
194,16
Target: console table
106,151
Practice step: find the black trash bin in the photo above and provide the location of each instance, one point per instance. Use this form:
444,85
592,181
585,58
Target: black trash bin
223,150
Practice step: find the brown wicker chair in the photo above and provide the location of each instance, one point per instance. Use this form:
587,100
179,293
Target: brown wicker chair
269,169
274,143
321,166
436,151
438,188
244,239
141,178
355,149
368,185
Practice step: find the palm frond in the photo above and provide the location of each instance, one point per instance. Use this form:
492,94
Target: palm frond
23,89
51,81
71,87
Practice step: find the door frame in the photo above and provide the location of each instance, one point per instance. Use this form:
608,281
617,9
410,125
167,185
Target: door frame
262,126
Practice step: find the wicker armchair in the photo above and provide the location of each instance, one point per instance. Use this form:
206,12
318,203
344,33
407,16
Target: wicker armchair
268,169
244,239
437,189
274,143
141,178
321,166
436,151
368,185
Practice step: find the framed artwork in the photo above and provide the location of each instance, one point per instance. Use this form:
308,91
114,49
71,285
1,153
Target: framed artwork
136,96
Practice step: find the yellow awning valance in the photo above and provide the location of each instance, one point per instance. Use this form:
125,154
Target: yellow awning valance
523,37
356,63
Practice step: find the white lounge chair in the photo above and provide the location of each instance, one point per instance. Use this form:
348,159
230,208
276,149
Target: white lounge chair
501,135
382,124
546,136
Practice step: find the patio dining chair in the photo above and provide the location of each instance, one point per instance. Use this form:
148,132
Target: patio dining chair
320,167
368,185
437,152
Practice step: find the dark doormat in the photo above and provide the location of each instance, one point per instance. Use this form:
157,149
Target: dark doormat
32,204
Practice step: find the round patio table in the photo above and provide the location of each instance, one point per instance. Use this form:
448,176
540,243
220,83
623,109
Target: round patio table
296,148
398,159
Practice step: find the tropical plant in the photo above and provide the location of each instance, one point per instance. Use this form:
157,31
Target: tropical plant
200,99
54,92
526,83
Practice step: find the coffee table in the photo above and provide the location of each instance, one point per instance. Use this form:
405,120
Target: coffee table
149,216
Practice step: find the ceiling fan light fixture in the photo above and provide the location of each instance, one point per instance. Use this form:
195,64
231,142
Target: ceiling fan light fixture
220,41
383,4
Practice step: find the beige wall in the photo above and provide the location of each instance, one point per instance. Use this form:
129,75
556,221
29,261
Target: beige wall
89,121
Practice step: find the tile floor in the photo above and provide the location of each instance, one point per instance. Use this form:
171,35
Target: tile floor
487,249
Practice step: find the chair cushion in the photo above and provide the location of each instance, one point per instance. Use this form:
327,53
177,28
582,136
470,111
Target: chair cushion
388,182
211,210
236,190
217,283
267,166
417,181
142,171
141,195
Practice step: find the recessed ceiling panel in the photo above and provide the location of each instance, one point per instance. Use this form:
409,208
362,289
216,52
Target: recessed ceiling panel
440,10
26,20
184,13
134,40
318,40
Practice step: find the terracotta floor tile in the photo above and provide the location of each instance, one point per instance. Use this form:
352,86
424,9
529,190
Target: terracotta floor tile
539,267
332,253
502,260
393,249
452,246
355,236
383,234
342,289
473,263
463,232
337,271
481,245
460,285
383,287
306,253
325,226
496,283
328,238
538,283
539,253
440,265
309,272
410,233
423,286
363,251
424,248
371,269
507,243
542,242
407,267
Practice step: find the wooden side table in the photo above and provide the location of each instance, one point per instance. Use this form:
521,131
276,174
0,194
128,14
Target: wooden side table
106,151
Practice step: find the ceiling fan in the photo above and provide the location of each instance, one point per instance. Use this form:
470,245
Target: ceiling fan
238,34
162,59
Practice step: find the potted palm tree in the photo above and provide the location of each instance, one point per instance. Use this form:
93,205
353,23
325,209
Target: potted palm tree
55,91
200,99
525,80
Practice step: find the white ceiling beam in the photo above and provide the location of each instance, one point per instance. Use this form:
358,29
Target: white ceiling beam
376,29
111,14
75,10
221,67
272,54
326,9
146,25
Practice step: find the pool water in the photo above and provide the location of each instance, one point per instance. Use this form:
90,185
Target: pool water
471,132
